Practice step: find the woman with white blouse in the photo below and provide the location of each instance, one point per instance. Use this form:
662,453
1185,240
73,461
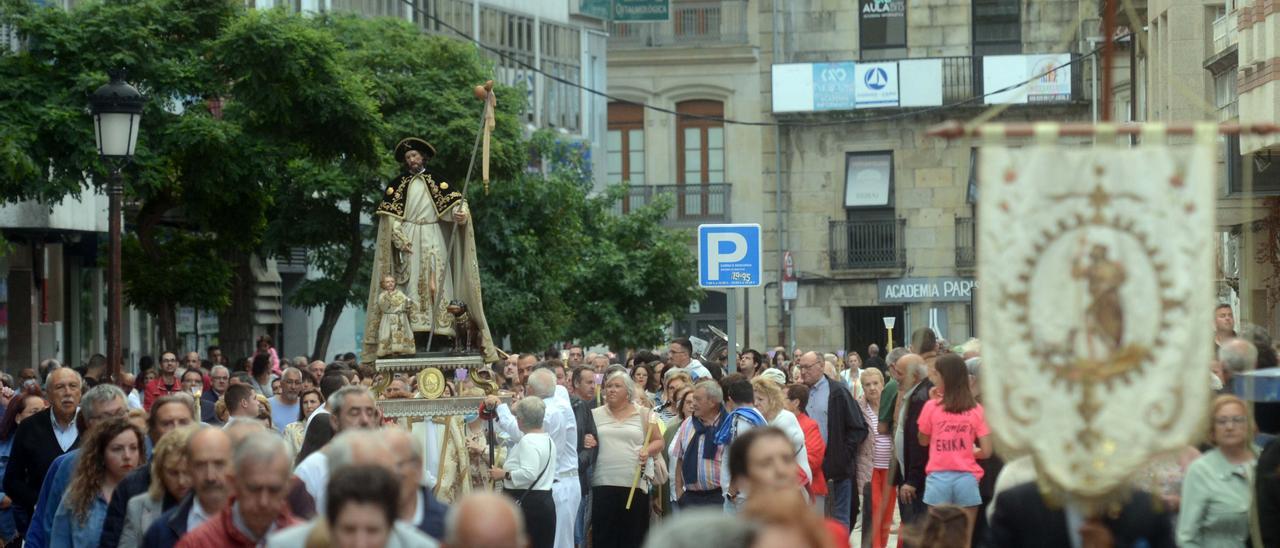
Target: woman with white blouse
771,402
529,471
629,436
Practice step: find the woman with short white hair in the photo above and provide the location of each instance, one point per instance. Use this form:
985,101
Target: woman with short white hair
529,471
628,437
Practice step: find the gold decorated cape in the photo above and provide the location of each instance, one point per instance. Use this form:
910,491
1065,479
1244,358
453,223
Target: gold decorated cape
444,194
463,267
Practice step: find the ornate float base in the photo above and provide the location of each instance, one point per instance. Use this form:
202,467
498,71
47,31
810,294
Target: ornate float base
432,369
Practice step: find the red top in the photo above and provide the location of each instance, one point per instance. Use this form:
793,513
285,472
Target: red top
838,532
816,448
220,531
156,389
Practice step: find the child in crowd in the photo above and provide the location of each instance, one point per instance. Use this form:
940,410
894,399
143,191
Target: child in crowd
955,430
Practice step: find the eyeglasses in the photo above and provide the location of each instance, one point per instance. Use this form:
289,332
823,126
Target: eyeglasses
1229,421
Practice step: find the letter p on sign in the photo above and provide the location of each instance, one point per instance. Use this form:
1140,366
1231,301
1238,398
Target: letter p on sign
729,255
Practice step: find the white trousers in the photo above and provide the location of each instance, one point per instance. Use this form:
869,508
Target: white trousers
567,493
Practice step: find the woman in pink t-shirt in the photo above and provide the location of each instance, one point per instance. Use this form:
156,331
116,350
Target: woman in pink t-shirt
956,433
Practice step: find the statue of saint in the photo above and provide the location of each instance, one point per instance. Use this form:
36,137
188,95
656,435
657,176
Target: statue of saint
418,216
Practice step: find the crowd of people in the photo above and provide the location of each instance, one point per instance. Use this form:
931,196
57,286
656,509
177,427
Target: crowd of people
799,448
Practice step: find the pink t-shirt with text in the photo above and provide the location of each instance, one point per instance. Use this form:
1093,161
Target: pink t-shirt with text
953,438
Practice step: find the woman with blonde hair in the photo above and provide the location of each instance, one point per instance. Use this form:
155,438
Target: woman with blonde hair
170,482
264,411
110,450
772,403
1217,491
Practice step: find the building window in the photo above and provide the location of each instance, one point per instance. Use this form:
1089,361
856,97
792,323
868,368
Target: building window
882,24
700,140
625,143
997,27
868,180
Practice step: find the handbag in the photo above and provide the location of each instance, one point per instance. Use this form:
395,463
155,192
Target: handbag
520,501
658,474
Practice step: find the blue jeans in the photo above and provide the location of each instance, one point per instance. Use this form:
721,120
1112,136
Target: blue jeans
580,528
841,500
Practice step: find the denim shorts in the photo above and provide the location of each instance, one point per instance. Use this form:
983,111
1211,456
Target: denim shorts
949,487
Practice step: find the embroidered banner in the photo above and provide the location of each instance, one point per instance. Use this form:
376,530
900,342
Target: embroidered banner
1096,270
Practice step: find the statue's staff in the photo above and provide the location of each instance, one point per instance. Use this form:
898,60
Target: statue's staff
485,93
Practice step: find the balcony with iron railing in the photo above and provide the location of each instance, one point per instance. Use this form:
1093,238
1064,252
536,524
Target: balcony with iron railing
692,24
966,242
864,245
693,204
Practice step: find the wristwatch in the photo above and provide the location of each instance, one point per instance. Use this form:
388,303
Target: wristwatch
506,475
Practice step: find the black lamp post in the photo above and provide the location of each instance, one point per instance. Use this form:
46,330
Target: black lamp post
117,111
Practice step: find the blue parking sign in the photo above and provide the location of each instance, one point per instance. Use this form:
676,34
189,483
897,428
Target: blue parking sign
729,255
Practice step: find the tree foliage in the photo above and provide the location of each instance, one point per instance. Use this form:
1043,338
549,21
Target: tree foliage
558,264
265,132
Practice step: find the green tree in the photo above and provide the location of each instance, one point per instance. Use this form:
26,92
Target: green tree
558,264
203,183
638,276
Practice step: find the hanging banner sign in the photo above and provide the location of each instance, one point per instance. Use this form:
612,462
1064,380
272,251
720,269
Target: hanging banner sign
1095,307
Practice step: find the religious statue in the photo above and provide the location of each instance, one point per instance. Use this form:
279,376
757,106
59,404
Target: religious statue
426,244
394,334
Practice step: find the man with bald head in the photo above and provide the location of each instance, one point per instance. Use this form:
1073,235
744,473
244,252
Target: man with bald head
911,457
843,428
258,485
209,455
316,368
485,520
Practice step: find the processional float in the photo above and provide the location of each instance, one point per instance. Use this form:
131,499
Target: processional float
425,311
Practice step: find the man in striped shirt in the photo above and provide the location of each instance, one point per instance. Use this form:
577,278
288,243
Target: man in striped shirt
695,452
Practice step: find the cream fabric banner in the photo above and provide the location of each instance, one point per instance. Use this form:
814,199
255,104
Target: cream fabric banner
1096,300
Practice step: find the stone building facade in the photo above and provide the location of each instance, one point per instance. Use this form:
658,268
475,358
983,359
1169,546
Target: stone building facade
908,250
912,256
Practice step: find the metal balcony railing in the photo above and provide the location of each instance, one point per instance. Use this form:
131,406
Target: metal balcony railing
692,23
694,203
966,242
961,79
868,244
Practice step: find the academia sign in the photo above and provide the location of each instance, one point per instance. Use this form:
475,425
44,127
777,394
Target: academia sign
921,290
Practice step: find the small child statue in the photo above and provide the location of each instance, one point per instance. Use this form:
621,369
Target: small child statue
395,336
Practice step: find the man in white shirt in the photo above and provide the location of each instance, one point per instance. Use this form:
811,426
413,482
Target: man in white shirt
680,354
561,425
358,446
351,408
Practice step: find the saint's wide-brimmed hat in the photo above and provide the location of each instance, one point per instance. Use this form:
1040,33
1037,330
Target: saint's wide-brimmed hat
414,143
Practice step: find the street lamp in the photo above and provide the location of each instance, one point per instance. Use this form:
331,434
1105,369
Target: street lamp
889,322
117,111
